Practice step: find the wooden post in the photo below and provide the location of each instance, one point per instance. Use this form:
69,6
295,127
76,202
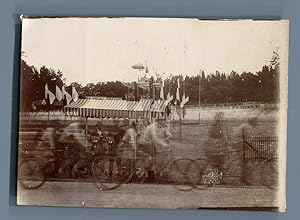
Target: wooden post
86,134
180,129
243,166
199,101
153,91
173,117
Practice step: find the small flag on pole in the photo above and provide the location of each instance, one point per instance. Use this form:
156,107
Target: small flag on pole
68,98
51,95
63,90
46,91
65,93
177,91
74,94
162,96
58,93
169,98
177,95
185,99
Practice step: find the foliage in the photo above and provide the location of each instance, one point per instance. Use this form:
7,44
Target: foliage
214,88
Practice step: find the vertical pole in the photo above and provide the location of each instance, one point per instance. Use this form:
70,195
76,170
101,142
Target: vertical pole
173,116
199,101
153,91
180,131
86,133
243,173
127,97
138,92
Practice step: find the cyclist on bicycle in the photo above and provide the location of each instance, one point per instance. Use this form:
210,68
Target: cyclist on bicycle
74,136
154,137
127,146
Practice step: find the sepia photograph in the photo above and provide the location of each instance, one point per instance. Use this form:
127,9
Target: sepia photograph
168,113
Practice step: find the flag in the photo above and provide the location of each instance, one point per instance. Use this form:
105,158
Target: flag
143,85
51,95
66,94
177,91
169,98
177,95
68,98
58,93
63,90
184,100
162,96
46,91
74,94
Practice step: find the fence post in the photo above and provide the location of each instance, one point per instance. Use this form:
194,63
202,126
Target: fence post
180,131
243,165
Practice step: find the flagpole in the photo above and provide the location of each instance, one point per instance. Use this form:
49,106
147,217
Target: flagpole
199,101
180,130
153,91
181,111
137,91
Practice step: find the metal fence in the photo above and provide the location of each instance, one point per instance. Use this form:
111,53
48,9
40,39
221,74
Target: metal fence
260,147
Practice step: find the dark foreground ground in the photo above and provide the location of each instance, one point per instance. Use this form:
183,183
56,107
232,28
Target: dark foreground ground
82,194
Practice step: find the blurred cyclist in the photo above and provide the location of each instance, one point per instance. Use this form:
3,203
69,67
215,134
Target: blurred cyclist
127,147
154,137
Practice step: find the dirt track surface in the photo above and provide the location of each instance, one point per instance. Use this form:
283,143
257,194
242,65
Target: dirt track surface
82,194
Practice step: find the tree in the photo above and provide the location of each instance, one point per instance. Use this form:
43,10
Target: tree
32,87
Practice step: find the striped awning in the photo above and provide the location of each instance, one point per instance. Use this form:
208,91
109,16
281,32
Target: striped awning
159,106
112,108
142,109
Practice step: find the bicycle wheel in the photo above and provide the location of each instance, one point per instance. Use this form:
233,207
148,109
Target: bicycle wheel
209,176
30,174
105,171
185,174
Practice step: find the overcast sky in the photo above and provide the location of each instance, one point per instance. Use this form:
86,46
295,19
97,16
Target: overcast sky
104,49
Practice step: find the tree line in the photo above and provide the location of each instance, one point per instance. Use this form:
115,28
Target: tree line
213,88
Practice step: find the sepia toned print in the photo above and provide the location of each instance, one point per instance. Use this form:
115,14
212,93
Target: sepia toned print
153,113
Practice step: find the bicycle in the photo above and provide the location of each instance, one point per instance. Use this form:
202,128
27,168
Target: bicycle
36,167
112,171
